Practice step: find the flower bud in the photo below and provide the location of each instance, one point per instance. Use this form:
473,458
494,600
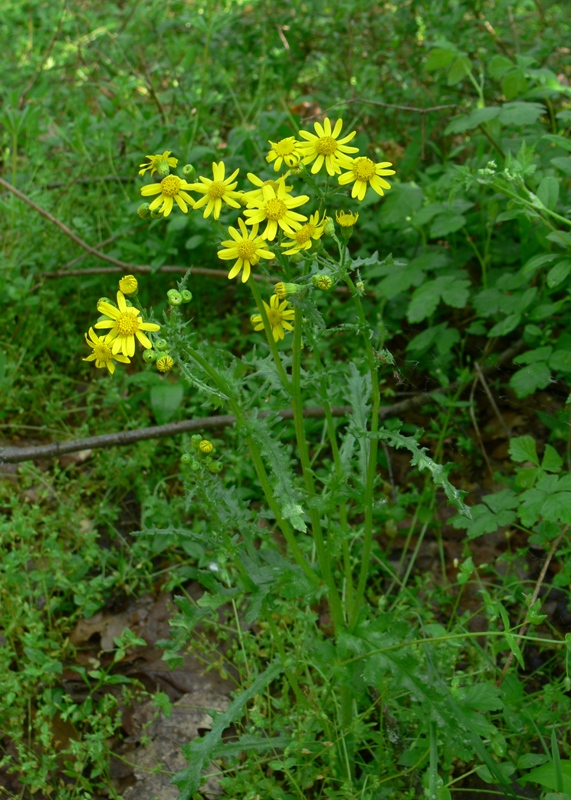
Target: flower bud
156,214
104,300
163,168
296,258
360,286
206,446
174,297
143,211
323,282
149,356
186,296
215,467
165,363
195,465
186,458
281,290
189,172
161,344
329,227
128,284
195,440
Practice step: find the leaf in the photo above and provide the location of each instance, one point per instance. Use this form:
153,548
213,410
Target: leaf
459,69
481,697
523,449
498,66
546,775
495,512
530,267
561,360
472,120
514,84
451,289
528,380
165,400
563,163
558,141
200,751
558,273
505,326
401,202
531,356
439,58
548,192
446,223
520,113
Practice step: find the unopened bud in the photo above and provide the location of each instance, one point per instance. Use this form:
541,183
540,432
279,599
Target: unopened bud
360,286
189,172
165,363
329,227
186,296
156,214
162,167
143,211
206,446
161,344
296,258
186,458
149,356
174,297
281,290
215,467
323,282
195,440
128,284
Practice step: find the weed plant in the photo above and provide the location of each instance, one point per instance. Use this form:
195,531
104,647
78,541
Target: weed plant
362,669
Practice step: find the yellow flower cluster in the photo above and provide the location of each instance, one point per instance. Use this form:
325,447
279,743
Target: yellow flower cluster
124,324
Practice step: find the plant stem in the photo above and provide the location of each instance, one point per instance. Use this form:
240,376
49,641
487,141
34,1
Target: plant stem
270,337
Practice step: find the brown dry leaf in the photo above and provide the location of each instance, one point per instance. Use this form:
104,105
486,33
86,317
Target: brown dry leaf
188,719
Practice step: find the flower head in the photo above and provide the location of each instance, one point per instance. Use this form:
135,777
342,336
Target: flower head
323,282
275,208
102,353
285,150
125,323
128,284
362,173
281,290
206,446
347,219
279,316
217,190
159,163
325,147
169,189
257,195
164,363
245,246
301,238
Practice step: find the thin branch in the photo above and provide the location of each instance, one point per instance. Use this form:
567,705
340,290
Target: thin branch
411,109
15,454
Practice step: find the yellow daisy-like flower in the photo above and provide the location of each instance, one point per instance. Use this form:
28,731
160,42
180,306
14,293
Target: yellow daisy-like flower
125,324
285,150
275,208
169,189
217,190
347,219
325,147
102,353
257,195
301,239
364,173
128,284
245,246
159,163
279,316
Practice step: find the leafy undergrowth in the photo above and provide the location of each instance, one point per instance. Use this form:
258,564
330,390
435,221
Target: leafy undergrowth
458,672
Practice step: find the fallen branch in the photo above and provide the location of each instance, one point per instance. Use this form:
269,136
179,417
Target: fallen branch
11,455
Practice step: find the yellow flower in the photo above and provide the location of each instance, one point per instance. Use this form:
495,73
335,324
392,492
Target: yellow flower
365,173
217,190
169,189
347,219
324,146
285,150
279,317
102,354
124,323
301,239
257,195
159,163
165,363
245,246
206,446
128,284
275,208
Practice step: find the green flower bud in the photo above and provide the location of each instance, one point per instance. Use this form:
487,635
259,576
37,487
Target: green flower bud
186,296
189,172
329,228
215,467
296,258
195,465
143,211
161,344
323,282
149,356
281,290
186,458
104,300
174,297
195,440
156,214
360,286
163,168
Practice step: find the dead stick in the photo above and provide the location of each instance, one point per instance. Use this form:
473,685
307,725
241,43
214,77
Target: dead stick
15,454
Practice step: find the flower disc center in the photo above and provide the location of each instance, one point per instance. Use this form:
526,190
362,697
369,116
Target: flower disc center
170,186
274,317
246,250
326,145
363,169
102,352
304,234
127,324
285,147
216,190
275,209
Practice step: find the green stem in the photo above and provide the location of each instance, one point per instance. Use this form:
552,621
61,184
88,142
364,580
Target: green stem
372,460
270,337
289,673
259,466
322,553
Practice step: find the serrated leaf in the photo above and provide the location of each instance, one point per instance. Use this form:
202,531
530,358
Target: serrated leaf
481,697
514,84
522,449
456,292
498,66
472,120
531,356
520,113
561,360
445,224
528,380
